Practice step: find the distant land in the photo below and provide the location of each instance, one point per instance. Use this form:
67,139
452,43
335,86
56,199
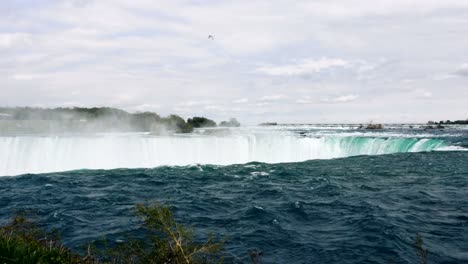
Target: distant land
448,122
98,119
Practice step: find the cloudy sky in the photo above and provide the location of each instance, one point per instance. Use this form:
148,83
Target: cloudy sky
287,61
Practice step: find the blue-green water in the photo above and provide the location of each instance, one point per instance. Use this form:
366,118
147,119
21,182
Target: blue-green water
356,209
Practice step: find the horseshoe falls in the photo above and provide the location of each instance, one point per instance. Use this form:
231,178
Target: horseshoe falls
40,154
299,193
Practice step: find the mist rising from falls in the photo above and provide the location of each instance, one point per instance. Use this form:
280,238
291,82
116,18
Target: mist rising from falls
39,154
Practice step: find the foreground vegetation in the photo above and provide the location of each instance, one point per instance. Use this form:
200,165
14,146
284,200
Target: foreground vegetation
166,242
21,241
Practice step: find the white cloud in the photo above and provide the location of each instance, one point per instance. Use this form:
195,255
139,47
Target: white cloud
241,101
271,98
421,94
11,40
194,103
144,107
304,67
427,94
155,55
262,104
462,70
214,107
28,76
305,100
340,99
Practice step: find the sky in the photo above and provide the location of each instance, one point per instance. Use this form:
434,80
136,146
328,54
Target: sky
316,61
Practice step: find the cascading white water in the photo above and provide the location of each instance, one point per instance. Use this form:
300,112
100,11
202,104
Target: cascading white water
39,154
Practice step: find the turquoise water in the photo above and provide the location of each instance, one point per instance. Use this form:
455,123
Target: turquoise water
338,208
50,153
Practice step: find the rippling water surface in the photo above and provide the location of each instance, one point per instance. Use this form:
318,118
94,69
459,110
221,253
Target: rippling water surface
360,209
351,210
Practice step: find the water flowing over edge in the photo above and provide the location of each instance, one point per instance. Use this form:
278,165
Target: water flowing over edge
41,154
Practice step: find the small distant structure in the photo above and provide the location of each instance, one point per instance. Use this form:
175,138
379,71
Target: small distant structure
427,127
374,126
211,37
371,126
269,124
5,116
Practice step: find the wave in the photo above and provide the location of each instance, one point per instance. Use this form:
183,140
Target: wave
451,148
36,154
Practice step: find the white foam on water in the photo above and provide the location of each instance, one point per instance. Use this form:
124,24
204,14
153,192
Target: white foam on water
451,148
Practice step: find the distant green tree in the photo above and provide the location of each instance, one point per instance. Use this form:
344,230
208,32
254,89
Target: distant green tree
197,122
102,119
177,123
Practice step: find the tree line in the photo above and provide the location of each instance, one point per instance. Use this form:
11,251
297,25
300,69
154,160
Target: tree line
107,119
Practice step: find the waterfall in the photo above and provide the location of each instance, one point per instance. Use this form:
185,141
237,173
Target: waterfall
39,154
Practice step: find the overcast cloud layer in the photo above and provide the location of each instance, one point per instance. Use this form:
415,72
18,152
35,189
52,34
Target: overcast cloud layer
285,61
